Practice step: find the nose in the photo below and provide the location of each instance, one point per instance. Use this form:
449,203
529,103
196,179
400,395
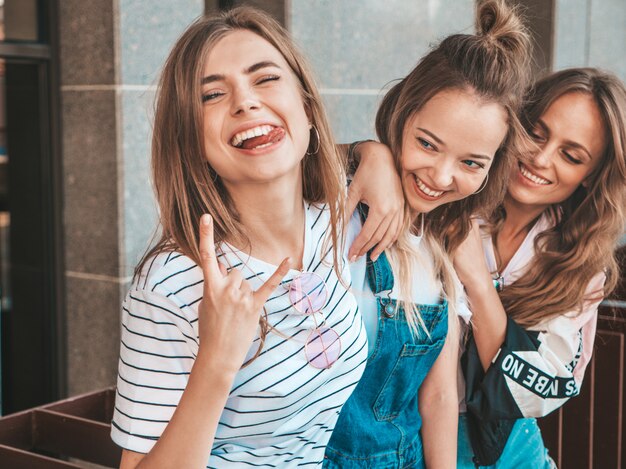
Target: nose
542,158
244,100
442,174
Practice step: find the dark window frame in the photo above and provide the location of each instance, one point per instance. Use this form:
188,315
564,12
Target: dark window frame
44,55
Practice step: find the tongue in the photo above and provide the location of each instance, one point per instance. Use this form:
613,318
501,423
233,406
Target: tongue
272,137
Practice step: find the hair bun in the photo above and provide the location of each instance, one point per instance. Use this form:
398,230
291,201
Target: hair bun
500,22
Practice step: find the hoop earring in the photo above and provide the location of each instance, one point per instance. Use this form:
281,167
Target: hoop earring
483,185
317,137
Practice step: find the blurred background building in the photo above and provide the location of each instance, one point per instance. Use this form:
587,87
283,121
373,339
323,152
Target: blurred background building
77,82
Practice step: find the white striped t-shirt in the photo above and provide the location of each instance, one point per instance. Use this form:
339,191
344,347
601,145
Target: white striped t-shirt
281,410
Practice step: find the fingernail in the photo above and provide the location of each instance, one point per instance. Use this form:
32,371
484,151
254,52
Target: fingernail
206,219
374,258
353,259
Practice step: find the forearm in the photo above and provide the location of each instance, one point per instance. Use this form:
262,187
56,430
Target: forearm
439,430
489,319
371,152
188,437
352,156
439,404
375,183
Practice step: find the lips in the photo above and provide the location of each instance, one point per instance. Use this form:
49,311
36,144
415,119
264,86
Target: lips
531,176
426,191
257,137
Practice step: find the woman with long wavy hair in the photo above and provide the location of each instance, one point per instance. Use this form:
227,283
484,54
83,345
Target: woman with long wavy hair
550,250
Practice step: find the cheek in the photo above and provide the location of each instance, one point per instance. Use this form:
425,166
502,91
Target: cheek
410,159
570,177
299,128
212,143
468,184
578,176
211,135
210,128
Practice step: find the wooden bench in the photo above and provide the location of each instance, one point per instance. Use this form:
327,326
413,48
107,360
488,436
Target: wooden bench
62,435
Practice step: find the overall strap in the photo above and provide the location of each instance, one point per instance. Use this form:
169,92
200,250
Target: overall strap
379,273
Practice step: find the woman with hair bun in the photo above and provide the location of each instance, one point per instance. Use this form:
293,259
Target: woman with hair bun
453,131
549,260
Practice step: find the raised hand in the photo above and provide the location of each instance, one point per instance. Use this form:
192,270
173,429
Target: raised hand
228,314
377,184
469,259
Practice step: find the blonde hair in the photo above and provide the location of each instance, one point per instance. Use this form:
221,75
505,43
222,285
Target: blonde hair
494,65
185,183
589,223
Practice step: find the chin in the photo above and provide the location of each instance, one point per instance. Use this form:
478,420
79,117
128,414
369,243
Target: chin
521,195
419,205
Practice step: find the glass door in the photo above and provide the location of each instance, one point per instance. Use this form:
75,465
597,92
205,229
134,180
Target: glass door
30,329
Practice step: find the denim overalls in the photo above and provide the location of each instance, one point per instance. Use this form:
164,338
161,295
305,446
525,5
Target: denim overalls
379,426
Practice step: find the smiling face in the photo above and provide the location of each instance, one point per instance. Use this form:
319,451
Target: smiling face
256,128
572,140
448,147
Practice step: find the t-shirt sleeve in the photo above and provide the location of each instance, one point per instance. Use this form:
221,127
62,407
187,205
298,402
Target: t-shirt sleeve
157,351
535,371
461,307
353,229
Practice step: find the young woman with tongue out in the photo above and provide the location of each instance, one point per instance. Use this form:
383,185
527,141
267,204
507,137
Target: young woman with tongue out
240,338
452,128
548,262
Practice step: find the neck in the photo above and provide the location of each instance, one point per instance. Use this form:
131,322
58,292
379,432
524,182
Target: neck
513,231
519,217
273,218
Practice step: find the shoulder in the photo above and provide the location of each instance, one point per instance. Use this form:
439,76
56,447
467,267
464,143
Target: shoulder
170,278
317,216
165,272
576,320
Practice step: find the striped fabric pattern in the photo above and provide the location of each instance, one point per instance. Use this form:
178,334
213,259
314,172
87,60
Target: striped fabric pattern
281,410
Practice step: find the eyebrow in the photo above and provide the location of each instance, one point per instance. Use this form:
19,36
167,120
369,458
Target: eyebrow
251,69
440,142
569,143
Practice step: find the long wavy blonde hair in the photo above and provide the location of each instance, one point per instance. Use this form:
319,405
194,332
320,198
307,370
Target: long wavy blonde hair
589,223
186,185
494,65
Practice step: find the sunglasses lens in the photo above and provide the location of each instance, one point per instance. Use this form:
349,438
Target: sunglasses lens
323,347
308,293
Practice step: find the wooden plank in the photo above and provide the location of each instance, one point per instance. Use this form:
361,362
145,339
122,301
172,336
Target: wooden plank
91,406
15,458
17,429
75,437
608,407
109,404
577,418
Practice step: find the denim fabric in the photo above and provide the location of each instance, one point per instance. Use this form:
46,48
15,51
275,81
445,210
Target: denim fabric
524,448
379,426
